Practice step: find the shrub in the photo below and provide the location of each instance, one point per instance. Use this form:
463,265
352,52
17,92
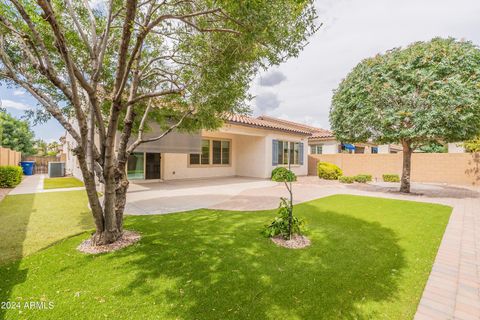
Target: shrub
369,177
282,174
10,176
346,179
391,178
363,178
328,171
279,226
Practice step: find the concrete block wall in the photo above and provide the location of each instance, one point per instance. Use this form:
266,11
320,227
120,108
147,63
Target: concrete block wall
450,168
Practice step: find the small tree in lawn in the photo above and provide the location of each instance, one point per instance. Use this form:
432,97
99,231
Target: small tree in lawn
428,92
113,66
286,224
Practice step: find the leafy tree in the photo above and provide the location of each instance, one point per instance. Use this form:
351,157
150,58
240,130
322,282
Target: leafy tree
427,92
16,134
41,147
472,145
52,148
433,147
115,67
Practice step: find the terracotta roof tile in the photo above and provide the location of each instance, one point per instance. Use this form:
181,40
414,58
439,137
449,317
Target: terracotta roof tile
315,133
267,124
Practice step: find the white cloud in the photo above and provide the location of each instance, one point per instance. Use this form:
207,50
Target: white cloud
352,31
5,103
19,92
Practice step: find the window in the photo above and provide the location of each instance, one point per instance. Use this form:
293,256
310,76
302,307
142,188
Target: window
205,157
288,151
316,149
216,150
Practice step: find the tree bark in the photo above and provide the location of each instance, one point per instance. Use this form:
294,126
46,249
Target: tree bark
407,164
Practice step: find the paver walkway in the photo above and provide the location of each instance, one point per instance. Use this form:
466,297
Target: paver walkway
34,184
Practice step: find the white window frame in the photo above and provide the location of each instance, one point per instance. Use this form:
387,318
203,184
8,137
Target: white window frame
296,156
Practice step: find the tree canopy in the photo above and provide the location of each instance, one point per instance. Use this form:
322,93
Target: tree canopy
115,65
427,92
16,134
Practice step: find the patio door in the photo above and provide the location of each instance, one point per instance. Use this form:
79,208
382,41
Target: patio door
152,165
143,165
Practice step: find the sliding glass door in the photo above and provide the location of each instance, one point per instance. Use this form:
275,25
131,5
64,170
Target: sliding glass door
143,165
136,166
152,167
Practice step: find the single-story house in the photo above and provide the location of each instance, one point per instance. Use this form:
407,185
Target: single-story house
244,146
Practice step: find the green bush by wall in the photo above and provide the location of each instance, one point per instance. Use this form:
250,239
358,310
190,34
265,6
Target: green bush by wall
346,179
328,171
391,178
10,176
363,178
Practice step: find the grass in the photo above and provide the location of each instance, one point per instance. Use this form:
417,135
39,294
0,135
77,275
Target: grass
30,222
66,182
369,259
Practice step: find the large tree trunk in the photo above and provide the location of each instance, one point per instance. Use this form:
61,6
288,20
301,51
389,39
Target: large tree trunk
407,164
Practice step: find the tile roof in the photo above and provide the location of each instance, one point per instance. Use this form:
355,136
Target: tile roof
315,133
279,124
256,122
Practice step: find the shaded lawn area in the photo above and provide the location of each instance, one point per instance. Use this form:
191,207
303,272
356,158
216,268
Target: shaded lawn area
369,259
30,222
64,182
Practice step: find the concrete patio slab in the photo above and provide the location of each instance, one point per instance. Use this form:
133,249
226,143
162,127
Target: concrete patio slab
176,196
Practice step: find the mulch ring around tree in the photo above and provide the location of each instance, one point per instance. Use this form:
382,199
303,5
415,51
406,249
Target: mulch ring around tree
127,239
297,242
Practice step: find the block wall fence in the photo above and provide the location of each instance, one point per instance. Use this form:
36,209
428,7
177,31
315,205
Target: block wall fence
450,168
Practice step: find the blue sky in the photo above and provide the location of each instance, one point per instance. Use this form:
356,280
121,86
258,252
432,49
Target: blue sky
17,101
301,89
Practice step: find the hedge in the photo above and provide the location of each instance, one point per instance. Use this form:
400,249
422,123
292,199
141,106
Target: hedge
363,178
346,179
328,171
10,176
391,178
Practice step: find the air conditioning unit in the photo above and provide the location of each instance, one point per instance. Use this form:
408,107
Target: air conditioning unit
56,169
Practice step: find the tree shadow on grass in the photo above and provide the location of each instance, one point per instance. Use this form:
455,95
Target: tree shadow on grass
220,267
15,212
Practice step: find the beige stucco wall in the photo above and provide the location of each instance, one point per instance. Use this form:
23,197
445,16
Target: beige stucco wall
451,168
250,156
175,165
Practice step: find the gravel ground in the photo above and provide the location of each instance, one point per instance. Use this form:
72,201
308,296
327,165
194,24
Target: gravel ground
128,238
297,242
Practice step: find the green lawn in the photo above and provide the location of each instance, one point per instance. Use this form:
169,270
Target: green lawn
369,259
30,222
65,182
